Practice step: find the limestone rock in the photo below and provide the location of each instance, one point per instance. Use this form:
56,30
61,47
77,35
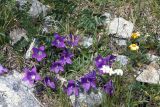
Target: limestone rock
150,75
87,42
152,57
15,93
29,51
87,100
107,18
37,8
121,28
122,59
17,34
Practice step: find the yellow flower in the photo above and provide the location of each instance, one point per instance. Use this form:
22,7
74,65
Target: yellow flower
134,47
135,35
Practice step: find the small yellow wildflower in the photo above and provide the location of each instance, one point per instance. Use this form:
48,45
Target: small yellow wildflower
134,47
135,35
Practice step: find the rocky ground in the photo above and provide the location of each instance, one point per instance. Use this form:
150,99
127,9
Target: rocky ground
118,26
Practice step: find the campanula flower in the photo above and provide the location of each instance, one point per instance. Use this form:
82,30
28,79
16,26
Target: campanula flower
110,59
31,76
72,88
57,67
66,57
100,61
89,81
3,70
48,82
109,88
38,53
58,41
73,40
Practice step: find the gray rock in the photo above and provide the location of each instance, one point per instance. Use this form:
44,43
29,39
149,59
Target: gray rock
150,75
17,34
15,93
121,27
48,24
87,42
152,57
21,2
37,8
121,42
87,100
29,51
122,59
108,18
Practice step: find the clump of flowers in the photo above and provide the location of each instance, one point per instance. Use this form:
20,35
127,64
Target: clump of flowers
58,57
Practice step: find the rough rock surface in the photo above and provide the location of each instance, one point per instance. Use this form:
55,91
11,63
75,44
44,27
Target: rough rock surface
122,59
87,100
87,42
17,34
121,28
37,8
15,93
150,75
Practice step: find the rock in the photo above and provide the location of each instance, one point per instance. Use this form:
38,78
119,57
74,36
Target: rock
87,100
122,59
107,18
21,2
87,42
121,42
37,8
152,57
29,51
17,34
121,27
150,75
47,25
15,93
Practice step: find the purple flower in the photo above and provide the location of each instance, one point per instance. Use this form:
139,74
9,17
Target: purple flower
73,40
57,67
58,41
89,81
110,59
31,76
100,61
108,88
49,83
66,57
2,69
38,53
72,88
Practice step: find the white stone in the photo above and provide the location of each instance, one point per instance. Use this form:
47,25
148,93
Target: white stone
15,93
87,42
29,51
149,75
22,2
87,100
108,18
17,34
121,42
37,8
121,27
122,59
152,57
